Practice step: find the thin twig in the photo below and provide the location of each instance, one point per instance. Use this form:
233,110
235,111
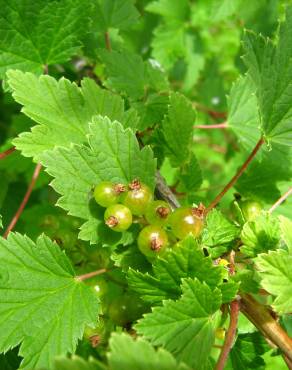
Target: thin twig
91,274
107,41
7,152
209,127
281,200
235,177
210,112
24,201
230,335
231,332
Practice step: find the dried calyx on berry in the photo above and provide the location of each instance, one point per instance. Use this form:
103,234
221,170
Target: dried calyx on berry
106,193
152,241
118,217
157,213
187,220
137,198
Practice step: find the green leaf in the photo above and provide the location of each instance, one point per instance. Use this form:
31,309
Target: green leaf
168,44
151,111
246,352
62,110
177,129
39,33
171,11
127,353
186,259
286,231
120,14
271,65
275,271
218,230
262,178
126,72
243,115
77,363
185,327
49,306
113,155
1,224
191,174
260,235
130,75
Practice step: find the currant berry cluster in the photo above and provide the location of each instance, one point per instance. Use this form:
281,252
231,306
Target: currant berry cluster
136,201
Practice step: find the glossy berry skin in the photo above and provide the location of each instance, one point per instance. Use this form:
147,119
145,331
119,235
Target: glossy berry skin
250,209
105,194
183,222
138,199
118,217
157,213
152,241
125,309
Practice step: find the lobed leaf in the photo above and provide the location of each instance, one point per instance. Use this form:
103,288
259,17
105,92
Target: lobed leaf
185,260
276,274
127,353
62,110
43,307
39,33
185,327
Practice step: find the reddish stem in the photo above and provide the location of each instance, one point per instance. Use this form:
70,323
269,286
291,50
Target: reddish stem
235,177
91,274
107,41
210,112
230,335
24,201
7,152
209,127
231,332
281,200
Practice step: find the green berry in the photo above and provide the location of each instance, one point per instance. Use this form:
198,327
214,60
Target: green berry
152,241
250,209
107,193
137,198
184,221
157,212
125,309
118,217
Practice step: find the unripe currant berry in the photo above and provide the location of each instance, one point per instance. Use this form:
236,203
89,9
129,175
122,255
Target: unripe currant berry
157,212
107,193
118,217
250,209
137,198
152,241
125,309
184,221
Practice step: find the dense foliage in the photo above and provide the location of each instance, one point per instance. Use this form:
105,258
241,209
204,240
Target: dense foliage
145,174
